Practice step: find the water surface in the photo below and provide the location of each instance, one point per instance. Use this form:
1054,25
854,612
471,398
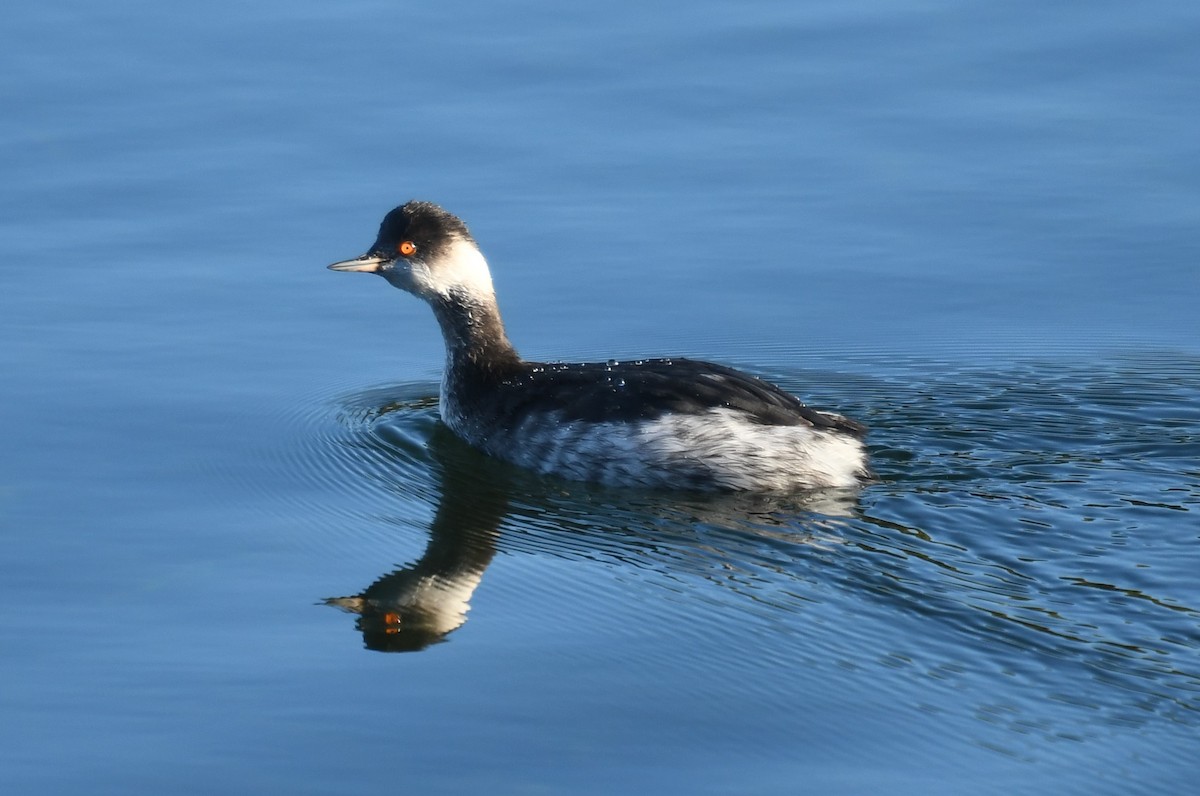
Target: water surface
973,227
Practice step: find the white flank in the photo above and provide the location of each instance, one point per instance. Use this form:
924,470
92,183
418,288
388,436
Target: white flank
716,449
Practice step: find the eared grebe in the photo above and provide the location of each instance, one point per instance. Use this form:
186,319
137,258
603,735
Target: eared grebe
673,423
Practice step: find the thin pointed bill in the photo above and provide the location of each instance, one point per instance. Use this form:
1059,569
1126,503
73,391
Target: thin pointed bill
368,263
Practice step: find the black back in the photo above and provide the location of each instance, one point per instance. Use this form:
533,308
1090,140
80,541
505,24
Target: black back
647,389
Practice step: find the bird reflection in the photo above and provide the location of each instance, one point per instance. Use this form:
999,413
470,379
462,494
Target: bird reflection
418,605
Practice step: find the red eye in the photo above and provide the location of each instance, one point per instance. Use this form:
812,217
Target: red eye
407,247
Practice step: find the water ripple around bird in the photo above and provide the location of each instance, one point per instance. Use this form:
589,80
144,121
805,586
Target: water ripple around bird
1032,523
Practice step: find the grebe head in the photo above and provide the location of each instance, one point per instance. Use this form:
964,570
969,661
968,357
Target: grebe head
428,252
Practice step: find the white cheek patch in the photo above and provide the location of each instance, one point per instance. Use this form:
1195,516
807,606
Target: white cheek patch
461,269
414,277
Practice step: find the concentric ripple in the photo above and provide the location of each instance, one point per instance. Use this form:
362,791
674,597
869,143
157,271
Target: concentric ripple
349,454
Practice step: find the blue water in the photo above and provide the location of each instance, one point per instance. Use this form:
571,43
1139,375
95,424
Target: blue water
974,226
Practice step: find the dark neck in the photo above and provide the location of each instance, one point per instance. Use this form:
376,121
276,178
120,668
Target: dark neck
477,348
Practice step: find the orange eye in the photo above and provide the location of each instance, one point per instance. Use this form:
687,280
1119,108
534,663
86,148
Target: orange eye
407,247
